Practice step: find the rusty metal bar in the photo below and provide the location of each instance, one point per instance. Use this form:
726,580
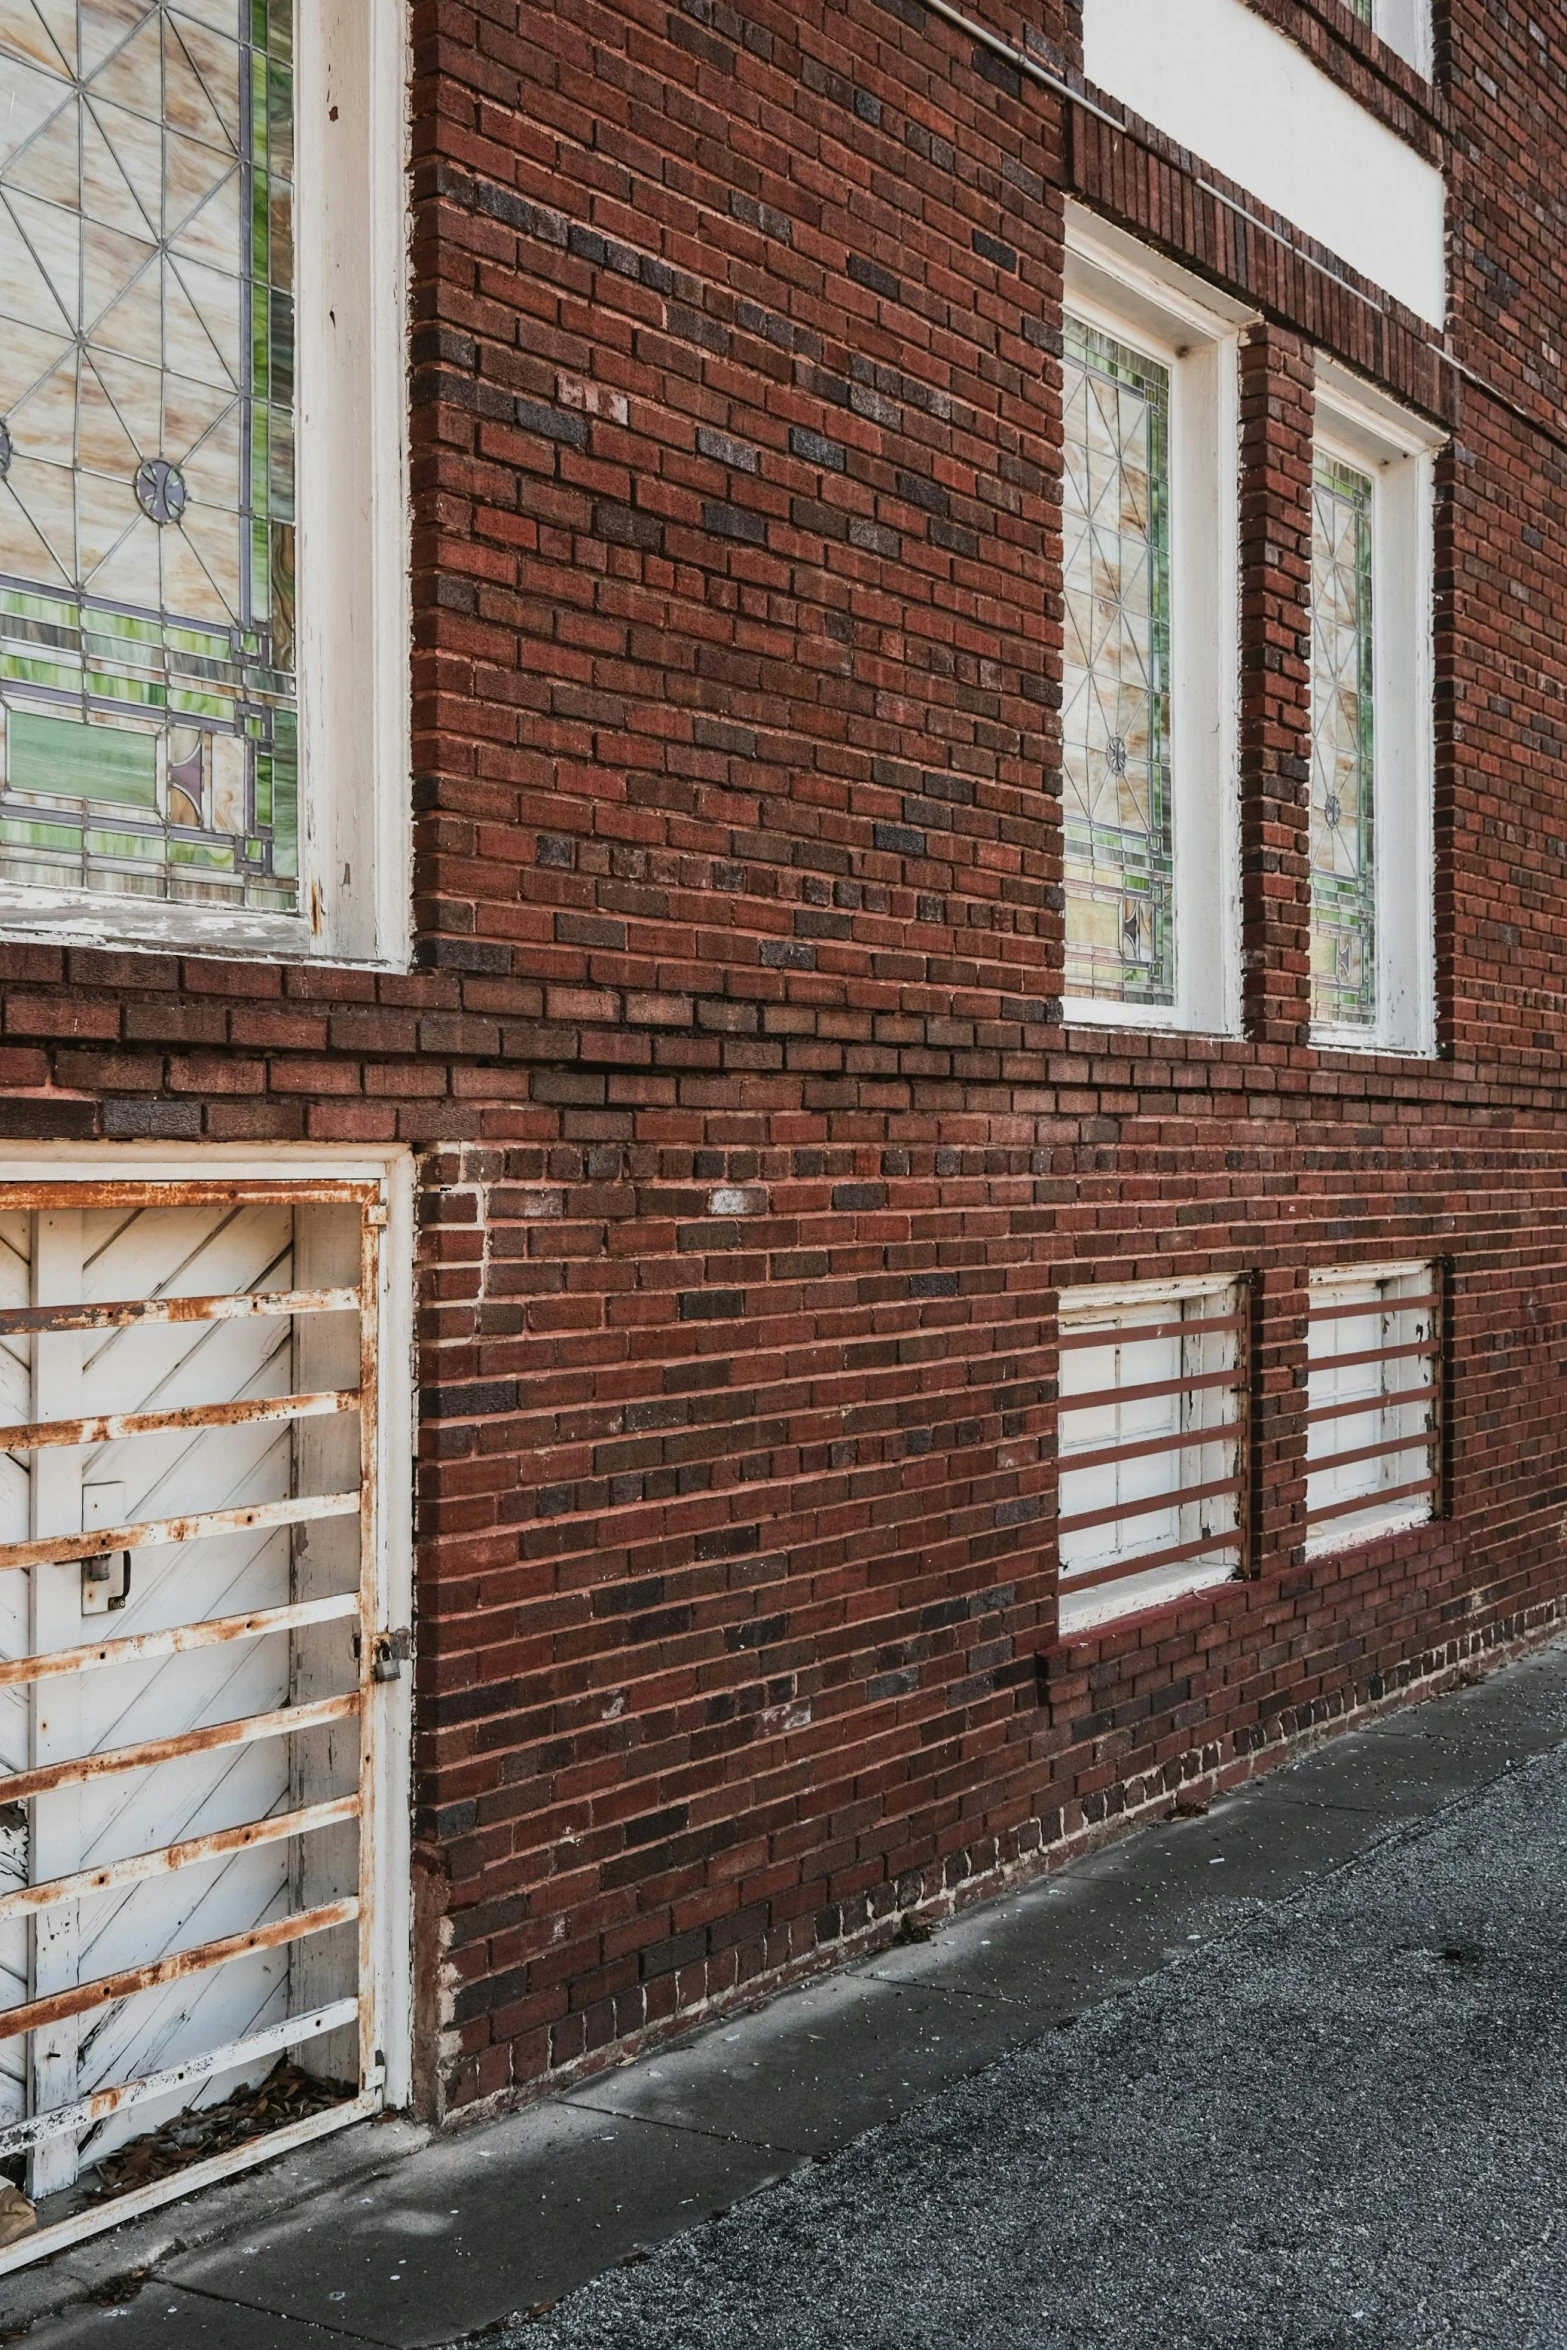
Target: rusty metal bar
85,2113
104,1990
1119,1570
1179,1440
1369,1306
212,1633
61,1549
1378,1499
1373,1354
1126,1511
1421,1441
81,1768
110,1428
1376,1399
188,1853
198,1191
1133,1333
126,1313
1095,1398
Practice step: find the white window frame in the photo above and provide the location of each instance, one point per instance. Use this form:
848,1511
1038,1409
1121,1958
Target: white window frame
1405,25
351,268
1417,1277
1116,284
1396,451
1203,1428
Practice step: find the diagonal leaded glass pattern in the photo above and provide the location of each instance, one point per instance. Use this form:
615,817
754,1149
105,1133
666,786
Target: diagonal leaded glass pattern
1116,712
147,448
1343,870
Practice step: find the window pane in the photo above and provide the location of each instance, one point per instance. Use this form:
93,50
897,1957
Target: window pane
1371,1421
1343,872
1120,941
147,711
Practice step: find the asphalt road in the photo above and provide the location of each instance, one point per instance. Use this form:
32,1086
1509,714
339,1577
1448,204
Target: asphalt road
1343,2121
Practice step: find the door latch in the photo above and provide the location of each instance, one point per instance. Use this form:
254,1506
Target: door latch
389,1652
98,1597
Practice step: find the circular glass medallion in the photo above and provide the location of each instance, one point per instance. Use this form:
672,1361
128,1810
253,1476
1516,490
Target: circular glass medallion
160,490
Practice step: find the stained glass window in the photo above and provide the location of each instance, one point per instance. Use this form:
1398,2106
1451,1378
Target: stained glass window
1120,941
1365,10
1343,871
147,449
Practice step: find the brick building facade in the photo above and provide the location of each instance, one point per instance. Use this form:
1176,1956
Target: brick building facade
756,1147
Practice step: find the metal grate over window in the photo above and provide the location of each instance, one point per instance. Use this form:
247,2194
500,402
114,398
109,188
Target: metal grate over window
1151,1447
1373,1392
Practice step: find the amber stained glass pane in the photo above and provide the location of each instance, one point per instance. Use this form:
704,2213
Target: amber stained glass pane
1343,864
147,702
1120,943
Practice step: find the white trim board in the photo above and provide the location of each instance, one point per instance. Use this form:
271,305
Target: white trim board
1218,80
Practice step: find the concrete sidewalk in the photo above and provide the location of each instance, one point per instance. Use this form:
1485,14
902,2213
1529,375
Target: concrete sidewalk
1315,2091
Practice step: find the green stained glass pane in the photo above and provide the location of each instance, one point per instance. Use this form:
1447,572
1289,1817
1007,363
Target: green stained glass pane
204,856
263,800
1120,860
35,832
151,145
282,350
1343,863
67,759
1365,10
145,847
285,809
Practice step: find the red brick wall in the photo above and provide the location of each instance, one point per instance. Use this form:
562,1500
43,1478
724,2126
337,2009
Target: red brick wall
737,672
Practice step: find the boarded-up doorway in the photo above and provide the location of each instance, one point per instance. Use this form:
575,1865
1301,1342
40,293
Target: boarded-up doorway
197,1669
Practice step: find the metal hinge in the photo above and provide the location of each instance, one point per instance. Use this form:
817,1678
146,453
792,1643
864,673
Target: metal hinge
389,1653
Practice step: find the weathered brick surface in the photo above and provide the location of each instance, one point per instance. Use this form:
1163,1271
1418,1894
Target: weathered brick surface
754,1153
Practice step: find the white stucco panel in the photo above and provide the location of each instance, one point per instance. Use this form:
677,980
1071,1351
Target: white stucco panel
1213,76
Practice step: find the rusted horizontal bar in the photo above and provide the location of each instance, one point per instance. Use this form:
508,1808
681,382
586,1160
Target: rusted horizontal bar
1387,1399
56,1549
1403,1353
238,1306
1128,1510
1421,1440
212,1633
104,1990
79,1769
109,1428
1133,1333
1375,1305
1182,1440
190,1852
201,1191
1097,1397
84,2113
1121,1569
1370,1501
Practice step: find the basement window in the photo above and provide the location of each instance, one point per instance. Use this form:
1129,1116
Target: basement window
1151,1449
1372,1396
